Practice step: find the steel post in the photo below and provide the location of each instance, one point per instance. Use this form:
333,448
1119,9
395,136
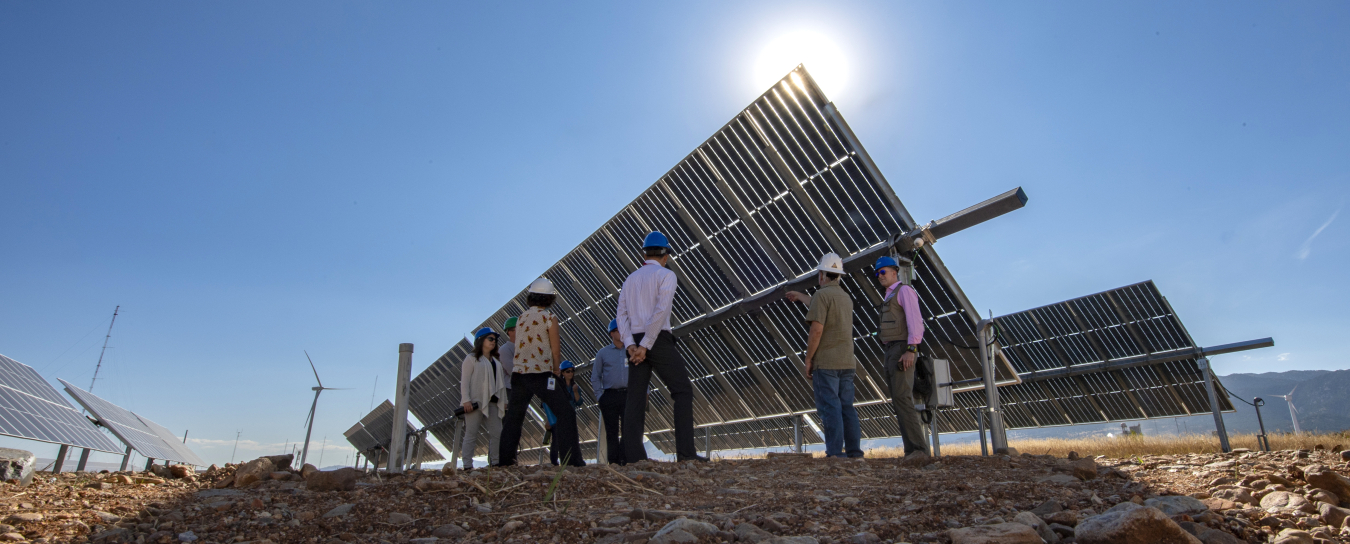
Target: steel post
457,448
149,463
997,436
60,458
797,433
1261,440
84,460
399,436
601,445
1203,363
984,445
707,442
933,428
126,458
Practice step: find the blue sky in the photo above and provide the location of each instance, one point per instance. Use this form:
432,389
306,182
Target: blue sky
250,180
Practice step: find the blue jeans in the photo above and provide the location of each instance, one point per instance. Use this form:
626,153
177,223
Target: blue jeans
834,404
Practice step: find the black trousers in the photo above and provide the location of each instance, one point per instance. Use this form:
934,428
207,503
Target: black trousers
612,404
524,387
663,359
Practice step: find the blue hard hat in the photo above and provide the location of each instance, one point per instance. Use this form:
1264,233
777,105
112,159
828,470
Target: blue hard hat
885,261
613,324
655,239
566,365
484,332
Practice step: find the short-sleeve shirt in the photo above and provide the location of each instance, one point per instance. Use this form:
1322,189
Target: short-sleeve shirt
832,307
534,352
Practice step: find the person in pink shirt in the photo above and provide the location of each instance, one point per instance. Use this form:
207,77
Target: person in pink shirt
900,333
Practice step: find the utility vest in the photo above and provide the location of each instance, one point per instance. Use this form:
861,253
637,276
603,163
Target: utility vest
893,327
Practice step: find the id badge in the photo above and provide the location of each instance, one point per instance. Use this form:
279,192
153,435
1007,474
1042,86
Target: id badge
552,382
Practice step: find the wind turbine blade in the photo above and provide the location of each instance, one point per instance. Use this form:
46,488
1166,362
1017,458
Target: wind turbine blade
337,389
311,367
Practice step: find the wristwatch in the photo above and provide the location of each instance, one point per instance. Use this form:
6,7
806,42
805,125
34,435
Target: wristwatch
913,348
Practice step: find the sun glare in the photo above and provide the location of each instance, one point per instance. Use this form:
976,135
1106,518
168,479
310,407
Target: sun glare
824,59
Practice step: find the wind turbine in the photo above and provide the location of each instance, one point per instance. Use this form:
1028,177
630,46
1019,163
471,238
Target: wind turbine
1293,412
309,421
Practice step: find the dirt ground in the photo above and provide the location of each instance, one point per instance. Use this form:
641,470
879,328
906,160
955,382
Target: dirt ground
759,500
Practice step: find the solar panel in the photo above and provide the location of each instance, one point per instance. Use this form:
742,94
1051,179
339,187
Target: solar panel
748,214
30,408
148,438
371,436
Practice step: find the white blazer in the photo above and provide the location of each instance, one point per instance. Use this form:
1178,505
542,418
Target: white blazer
477,383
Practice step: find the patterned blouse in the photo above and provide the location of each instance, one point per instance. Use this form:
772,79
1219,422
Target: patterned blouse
533,351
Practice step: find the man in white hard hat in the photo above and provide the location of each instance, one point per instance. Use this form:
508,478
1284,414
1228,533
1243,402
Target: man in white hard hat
643,316
829,358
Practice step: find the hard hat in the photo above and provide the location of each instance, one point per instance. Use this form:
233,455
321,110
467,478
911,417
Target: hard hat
542,286
885,261
566,365
831,263
510,323
656,240
485,331
613,324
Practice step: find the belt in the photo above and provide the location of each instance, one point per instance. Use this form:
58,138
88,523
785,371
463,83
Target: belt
617,389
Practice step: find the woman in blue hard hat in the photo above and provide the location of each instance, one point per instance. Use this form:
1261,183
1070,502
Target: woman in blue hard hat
482,390
535,373
573,397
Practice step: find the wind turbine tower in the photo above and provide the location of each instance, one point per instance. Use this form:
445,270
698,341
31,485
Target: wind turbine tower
309,421
1293,412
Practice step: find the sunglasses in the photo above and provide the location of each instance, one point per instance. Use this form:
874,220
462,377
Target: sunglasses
883,271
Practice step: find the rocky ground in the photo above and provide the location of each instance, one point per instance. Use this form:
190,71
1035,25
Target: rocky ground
1287,497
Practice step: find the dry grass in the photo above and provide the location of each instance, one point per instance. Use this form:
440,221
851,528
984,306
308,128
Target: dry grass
1125,447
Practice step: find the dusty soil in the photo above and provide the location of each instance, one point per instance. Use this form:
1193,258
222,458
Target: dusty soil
870,500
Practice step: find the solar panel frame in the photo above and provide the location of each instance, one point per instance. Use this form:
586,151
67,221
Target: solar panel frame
31,409
148,438
372,434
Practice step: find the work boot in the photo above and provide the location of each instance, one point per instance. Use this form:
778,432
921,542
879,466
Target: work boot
916,458
696,457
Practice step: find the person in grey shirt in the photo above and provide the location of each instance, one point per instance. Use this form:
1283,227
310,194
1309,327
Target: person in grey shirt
609,379
507,350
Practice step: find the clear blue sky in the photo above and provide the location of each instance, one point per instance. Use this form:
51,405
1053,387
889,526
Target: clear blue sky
249,180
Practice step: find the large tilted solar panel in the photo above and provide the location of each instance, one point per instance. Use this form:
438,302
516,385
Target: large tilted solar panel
30,408
371,436
749,212
1130,321
138,432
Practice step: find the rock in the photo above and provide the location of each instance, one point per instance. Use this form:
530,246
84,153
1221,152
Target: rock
850,501
865,538
1064,531
307,469
511,527
227,482
1345,455
1046,508
1321,495
252,471
1219,505
1293,536
1177,504
772,525
107,517
449,531
1321,477
26,517
673,537
1042,528
1073,456
1063,517
1331,514
424,540
448,470
181,472
339,511
399,518
280,475
1287,500
1084,469
1061,479
187,536
792,540
98,485
13,537
1128,523
747,532
17,466
696,528
1003,533
343,479
1238,494
116,534
281,462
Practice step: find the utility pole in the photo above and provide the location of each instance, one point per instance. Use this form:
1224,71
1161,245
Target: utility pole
105,348
236,445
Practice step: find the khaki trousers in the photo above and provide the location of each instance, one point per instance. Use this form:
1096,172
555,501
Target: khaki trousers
901,385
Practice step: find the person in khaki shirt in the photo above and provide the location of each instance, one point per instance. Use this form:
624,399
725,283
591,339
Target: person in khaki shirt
829,358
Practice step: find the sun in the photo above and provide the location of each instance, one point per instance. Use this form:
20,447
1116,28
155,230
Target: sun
823,58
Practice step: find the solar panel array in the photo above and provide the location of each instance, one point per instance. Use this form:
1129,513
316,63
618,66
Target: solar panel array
749,213
371,435
30,408
146,437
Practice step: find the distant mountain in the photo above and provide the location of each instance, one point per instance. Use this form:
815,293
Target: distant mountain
1322,398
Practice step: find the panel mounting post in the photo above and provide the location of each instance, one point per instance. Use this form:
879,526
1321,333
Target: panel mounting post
1214,407
126,458
60,458
149,463
84,460
997,436
797,433
398,438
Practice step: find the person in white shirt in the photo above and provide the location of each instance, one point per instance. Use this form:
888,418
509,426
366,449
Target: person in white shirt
482,388
643,314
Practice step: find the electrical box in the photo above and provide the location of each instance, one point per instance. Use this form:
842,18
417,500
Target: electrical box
942,379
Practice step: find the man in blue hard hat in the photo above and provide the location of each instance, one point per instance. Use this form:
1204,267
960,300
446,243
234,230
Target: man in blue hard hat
507,350
643,316
901,332
829,358
609,379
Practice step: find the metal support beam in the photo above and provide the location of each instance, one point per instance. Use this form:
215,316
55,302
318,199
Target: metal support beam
933,428
997,435
601,444
1147,360
126,457
398,437
1203,363
149,462
797,433
61,453
84,460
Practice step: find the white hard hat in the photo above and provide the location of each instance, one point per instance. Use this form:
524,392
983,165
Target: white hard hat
542,286
831,263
